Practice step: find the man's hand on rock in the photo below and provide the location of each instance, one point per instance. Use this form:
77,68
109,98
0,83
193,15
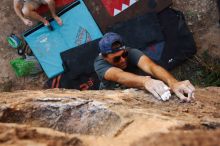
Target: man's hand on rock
184,90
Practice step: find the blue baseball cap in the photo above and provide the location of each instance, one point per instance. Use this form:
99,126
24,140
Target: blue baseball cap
105,44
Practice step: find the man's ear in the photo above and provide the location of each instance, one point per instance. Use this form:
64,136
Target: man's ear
105,57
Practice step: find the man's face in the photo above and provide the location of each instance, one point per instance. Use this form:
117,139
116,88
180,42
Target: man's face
118,59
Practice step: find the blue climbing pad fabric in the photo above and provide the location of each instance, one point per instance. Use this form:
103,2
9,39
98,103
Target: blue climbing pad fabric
78,28
155,51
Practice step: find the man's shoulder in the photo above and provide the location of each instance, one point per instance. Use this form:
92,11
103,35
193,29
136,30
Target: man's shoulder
100,62
101,66
98,59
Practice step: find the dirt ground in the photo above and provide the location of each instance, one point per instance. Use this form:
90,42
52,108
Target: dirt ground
202,18
9,24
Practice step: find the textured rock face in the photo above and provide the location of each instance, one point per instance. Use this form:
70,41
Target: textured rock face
119,118
23,136
66,114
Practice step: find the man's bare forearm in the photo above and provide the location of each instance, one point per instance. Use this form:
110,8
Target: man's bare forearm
156,71
126,78
132,80
163,75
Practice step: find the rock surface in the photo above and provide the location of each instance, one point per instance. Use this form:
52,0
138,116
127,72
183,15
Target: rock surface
202,17
110,118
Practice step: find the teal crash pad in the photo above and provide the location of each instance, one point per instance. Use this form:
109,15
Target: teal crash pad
78,28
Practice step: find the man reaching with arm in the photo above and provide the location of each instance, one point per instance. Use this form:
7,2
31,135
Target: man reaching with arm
25,9
114,66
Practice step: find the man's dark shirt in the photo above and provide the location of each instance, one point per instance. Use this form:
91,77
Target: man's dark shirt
101,66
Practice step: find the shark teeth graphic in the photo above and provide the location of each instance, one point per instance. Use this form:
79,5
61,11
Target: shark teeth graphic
116,12
132,2
123,7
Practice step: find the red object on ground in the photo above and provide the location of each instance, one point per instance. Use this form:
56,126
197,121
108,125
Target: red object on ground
109,12
59,3
114,7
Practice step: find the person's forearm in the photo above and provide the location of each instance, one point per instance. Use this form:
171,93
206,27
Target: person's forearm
17,8
156,71
125,78
163,75
132,80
